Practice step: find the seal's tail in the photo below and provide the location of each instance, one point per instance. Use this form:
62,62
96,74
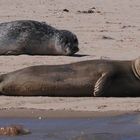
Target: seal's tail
136,67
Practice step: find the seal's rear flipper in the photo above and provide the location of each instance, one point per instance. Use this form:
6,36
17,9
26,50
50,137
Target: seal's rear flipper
100,84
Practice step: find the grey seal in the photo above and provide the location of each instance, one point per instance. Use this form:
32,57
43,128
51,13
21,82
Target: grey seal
35,38
86,78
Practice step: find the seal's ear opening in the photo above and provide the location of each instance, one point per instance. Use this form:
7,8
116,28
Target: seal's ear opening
136,67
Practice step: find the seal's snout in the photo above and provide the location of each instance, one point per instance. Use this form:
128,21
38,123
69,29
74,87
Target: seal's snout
70,50
75,49
70,42
71,47
75,44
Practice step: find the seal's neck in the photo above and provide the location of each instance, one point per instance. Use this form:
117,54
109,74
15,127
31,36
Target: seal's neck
136,67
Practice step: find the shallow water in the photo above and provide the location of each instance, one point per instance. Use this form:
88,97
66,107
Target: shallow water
124,127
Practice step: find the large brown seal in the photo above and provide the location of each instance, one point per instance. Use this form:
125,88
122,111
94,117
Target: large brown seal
35,38
87,78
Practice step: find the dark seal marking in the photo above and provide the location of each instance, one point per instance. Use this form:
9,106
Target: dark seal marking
87,78
35,38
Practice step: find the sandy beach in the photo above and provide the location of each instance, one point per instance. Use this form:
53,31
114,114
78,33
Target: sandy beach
110,31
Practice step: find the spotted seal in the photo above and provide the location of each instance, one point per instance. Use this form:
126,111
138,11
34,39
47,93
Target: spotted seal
86,78
35,38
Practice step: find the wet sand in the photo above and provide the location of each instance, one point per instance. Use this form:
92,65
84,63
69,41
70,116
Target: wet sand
110,31
61,114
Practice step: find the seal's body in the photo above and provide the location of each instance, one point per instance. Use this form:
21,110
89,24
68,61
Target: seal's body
35,38
87,78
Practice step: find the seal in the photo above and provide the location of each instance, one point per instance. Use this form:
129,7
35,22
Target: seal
13,130
35,38
86,78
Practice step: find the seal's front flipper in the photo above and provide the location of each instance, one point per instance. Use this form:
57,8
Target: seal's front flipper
101,84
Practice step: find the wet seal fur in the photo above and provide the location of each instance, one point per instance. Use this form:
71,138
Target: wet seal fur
13,130
35,38
87,78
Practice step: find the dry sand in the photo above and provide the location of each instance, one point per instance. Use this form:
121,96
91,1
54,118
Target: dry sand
116,19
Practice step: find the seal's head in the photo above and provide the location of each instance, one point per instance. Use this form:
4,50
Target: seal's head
136,67
67,42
